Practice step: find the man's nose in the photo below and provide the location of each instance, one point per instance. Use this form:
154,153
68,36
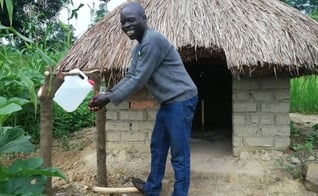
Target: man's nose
125,25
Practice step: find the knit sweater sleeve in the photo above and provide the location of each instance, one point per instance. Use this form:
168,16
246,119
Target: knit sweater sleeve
145,61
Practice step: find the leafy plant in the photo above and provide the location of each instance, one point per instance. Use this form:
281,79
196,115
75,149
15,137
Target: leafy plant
297,147
311,138
305,140
7,107
293,130
295,170
309,146
13,140
22,177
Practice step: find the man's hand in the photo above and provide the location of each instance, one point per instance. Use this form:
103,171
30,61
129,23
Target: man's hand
98,101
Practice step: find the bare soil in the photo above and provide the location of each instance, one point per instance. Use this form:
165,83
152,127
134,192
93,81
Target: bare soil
214,171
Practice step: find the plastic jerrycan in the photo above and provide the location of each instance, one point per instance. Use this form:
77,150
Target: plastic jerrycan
73,90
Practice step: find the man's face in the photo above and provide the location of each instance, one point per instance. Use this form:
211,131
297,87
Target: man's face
133,23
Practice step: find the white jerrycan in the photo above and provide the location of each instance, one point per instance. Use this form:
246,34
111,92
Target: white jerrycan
73,90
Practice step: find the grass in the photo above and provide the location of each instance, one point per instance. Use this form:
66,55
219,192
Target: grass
303,95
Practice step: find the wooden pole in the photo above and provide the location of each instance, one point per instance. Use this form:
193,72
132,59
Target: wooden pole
111,190
46,137
46,93
101,138
101,148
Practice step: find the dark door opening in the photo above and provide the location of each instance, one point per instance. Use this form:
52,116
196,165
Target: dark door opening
213,117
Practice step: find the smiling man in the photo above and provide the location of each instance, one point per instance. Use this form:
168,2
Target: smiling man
157,65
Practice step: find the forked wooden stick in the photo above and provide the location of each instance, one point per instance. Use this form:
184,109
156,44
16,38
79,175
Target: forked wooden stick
111,190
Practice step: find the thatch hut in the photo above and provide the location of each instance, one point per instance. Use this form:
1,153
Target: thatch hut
240,53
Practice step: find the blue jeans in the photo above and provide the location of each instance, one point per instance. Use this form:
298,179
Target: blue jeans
172,129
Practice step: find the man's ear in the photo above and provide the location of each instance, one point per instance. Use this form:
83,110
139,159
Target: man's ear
145,18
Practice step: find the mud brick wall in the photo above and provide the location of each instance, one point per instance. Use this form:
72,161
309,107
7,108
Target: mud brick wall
130,124
260,114
260,117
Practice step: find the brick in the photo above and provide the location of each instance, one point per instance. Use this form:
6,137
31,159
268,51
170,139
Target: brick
111,115
282,119
241,96
142,125
260,119
237,141
260,141
148,136
276,131
117,126
267,119
122,106
282,95
244,107
238,119
261,96
113,136
151,115
133,136
275,107
283,130
142,94
245,83
245,131
275,83
282,142
269,131
139,105
132,115
255,119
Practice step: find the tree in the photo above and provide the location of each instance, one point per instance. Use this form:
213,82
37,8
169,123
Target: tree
24,10
306,6
314,15
37,20
102,11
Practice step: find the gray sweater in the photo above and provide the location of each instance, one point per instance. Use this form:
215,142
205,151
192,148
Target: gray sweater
157,65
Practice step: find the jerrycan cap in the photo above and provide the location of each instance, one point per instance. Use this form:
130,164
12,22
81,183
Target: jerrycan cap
91,82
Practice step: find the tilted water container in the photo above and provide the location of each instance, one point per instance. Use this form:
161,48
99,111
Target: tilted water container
73,91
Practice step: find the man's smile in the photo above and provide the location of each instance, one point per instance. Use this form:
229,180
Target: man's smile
130,32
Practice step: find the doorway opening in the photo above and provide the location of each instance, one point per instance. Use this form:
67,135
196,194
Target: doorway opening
213,117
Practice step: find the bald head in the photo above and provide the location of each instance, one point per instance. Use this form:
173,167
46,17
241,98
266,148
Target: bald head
134,7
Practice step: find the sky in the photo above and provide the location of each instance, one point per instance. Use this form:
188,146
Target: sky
84,17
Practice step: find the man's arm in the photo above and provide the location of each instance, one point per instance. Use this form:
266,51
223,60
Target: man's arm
147,61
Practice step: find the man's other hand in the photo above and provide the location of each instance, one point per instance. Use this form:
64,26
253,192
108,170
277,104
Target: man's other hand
98,101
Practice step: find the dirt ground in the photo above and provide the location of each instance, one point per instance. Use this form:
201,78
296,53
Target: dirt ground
214,171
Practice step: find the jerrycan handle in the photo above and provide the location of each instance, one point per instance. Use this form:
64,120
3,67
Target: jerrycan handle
80,74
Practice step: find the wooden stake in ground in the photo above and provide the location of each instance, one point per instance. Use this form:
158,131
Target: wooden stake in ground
45,95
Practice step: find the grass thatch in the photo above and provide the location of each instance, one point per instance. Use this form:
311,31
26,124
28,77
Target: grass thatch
250,33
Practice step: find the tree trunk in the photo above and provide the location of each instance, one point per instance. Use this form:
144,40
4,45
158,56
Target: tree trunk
46,94
46,137
101,148
101,138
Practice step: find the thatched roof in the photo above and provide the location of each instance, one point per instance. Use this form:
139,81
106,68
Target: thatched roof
262,34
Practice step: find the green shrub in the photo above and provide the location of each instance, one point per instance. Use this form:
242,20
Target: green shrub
21,177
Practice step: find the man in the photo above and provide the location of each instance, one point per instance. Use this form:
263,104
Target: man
157,66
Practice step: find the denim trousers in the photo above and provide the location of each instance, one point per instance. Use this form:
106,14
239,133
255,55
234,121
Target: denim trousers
172,130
